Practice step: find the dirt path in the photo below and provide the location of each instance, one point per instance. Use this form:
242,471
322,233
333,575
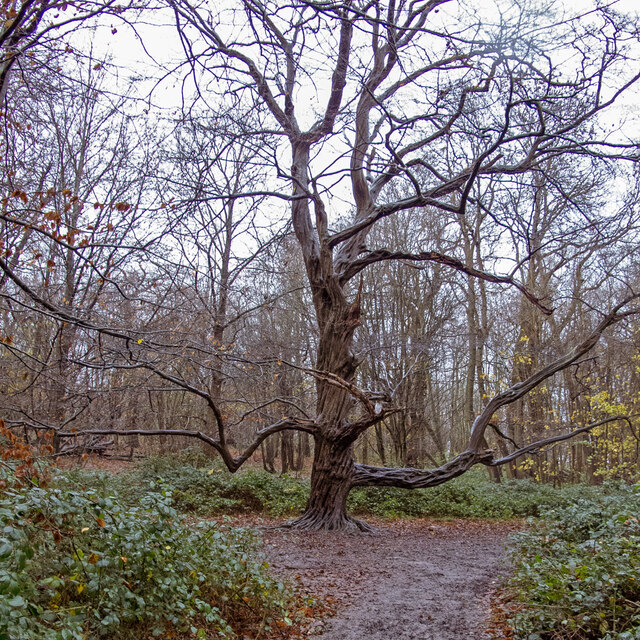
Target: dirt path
415,580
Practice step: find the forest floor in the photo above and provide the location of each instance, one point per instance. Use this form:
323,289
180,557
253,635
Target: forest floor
413,580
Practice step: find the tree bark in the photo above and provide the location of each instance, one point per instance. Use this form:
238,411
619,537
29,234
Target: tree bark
334,461
331,480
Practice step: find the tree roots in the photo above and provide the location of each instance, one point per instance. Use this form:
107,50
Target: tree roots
322,521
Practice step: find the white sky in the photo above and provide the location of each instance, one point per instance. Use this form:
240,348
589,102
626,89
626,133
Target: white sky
162,45
162,48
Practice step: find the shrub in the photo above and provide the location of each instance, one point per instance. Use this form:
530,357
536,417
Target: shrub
470,496
577,571
78,564
202,491
212,490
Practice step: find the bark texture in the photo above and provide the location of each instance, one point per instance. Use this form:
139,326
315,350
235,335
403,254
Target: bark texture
331,481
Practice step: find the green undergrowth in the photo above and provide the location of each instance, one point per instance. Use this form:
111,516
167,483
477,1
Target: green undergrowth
470,496
201,487
124,556
80,562
577,570
205,491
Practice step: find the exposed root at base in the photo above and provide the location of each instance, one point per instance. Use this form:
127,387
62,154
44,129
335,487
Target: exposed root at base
313,521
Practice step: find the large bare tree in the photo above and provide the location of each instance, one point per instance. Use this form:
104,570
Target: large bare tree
400,108
372,94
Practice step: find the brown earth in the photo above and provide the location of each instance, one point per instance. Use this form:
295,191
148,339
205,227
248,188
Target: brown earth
413,580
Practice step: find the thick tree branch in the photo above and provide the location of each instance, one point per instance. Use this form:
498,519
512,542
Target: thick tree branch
433,256
385,210
520,389
408,478
338,79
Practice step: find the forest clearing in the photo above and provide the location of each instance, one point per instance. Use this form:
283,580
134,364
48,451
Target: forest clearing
365,271
170,549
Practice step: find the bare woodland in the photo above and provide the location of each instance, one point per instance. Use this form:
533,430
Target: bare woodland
399,238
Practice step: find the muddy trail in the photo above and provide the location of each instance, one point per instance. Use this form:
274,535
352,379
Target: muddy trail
414,580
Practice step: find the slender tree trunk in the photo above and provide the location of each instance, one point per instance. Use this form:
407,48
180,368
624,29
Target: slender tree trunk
269,452
380,445
301,449
286,451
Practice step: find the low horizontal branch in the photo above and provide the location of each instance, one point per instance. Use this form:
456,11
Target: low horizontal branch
410,478
232,463
138,432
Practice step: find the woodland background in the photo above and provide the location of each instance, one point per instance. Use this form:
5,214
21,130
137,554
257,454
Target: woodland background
121,210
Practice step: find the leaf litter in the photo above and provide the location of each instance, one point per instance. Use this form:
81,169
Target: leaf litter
414,580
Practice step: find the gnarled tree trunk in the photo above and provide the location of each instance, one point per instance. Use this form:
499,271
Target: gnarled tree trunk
334,462
331,479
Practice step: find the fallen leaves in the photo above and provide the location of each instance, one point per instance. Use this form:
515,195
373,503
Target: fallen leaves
502,608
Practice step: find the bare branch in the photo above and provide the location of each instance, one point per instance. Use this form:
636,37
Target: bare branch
520,389
380,255
536,446
408,478
232,463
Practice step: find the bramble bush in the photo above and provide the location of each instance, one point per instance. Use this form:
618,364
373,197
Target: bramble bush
577,571
78,564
